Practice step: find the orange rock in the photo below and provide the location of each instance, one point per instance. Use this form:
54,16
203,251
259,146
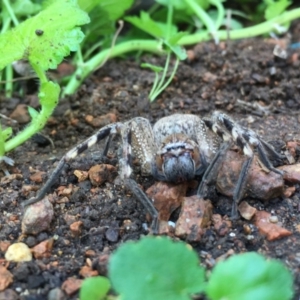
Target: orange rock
90,253
43,249
6,278
165,228
65,191
87,271
247,211
20,114
4,245
81,175
270,230
291,173
167,197
261,185
194,217
289,191
9,178
292,147
76,227
101,121
37,177
98,174
221,225
71,285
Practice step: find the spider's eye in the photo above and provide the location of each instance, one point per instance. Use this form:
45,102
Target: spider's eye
178,168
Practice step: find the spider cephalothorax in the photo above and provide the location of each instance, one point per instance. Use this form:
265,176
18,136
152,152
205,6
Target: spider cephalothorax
176,149
178,159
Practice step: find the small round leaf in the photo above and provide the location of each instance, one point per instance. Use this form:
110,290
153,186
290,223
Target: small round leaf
156,268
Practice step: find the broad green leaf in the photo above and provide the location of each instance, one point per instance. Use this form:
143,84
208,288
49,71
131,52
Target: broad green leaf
94,288
46,38
275,8
145,23
250,276
156,268
156,69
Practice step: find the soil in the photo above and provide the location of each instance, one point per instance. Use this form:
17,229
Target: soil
216,77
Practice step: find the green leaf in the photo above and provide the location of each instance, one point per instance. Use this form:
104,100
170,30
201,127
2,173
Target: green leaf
154,28
156,268
275,8
145,23
94,288
250,276
156,69
46,38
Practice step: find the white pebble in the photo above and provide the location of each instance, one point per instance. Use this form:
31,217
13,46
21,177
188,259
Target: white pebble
273,219
18,252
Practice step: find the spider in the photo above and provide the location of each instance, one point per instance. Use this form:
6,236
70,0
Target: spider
176,149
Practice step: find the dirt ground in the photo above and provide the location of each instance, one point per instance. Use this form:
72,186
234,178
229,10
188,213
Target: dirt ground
242,78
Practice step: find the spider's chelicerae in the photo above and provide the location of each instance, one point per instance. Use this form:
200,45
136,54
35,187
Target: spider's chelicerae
176,149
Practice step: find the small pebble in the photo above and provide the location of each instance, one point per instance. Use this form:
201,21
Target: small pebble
18,252
273,219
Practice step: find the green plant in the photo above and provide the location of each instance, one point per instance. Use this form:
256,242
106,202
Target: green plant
95,288
162,25
158,268
43,40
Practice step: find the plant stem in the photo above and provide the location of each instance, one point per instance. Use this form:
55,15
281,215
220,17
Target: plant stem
168,81
155,46
48,96
221,13
11,12
8,83
120,49
153,89
202,15
252,31
164,74
2,143
169,21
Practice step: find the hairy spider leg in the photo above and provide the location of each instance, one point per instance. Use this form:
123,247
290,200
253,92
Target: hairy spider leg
70,155
210,175
137,138
125,163
227,129
246,138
